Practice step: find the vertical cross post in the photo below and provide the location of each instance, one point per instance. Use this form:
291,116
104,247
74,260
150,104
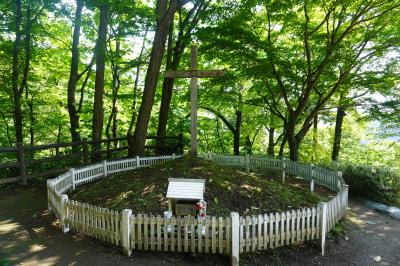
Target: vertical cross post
193,104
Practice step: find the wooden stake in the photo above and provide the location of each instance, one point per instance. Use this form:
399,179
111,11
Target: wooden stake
193,104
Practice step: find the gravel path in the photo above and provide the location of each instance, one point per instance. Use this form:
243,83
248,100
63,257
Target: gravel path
29,236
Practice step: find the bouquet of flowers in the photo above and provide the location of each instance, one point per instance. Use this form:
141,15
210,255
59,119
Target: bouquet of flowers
201,209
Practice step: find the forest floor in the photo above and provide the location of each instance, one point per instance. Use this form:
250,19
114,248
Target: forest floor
29,236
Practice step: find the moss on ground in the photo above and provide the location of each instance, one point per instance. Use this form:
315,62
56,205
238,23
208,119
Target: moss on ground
143,190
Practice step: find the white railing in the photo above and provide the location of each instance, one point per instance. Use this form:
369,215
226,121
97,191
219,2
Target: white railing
226,235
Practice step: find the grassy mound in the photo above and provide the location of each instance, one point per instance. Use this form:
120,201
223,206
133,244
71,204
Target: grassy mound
143,190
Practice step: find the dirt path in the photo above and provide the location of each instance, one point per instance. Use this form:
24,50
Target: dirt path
29,236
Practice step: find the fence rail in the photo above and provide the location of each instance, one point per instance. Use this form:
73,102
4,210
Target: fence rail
26,162
225,235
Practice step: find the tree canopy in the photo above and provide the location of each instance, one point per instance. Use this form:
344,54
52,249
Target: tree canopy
310,80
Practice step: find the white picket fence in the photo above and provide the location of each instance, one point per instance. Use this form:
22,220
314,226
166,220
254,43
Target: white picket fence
181,234
225,235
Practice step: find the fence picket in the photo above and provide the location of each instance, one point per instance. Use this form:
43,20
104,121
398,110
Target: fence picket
260,223
288,219
193,234
152,232
282,224
277,232
145,231
266,235
213,234
220,235
159,222
165,238
248,239
271,230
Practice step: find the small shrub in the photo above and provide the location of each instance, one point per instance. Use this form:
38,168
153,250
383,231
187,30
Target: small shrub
372,182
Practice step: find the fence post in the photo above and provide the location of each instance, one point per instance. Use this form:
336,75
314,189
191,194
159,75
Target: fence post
48,194
64,213
209,156
126,231
283,170
105,168
340,176
235,239
72,170
22,163
312,178
247,163
346,199
85,151
324,214
137,162
173,156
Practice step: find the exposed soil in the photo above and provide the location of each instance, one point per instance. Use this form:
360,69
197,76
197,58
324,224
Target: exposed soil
143,190
29,236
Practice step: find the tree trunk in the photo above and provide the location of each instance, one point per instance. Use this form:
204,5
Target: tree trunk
112,119
282,146
98,115
341,112
135,86
292,141
271,142
236,135
166,96
165,16
25,79
15,74
248,145
73,75
220,138
315,138
10,141
174,55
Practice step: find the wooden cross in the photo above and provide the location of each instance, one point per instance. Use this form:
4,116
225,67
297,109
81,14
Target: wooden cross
193,74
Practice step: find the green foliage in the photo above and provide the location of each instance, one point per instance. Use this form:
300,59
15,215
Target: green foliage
376,183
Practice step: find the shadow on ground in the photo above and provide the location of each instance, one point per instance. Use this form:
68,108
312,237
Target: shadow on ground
29,235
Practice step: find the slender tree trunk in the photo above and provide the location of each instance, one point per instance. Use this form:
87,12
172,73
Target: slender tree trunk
271,142
112,119
248,145
220,138
10,141
98,112
31,123
315,138
25,79
135,86
58,137
236,135
282,146
292,141
165,16
15,73
340,113
73,75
